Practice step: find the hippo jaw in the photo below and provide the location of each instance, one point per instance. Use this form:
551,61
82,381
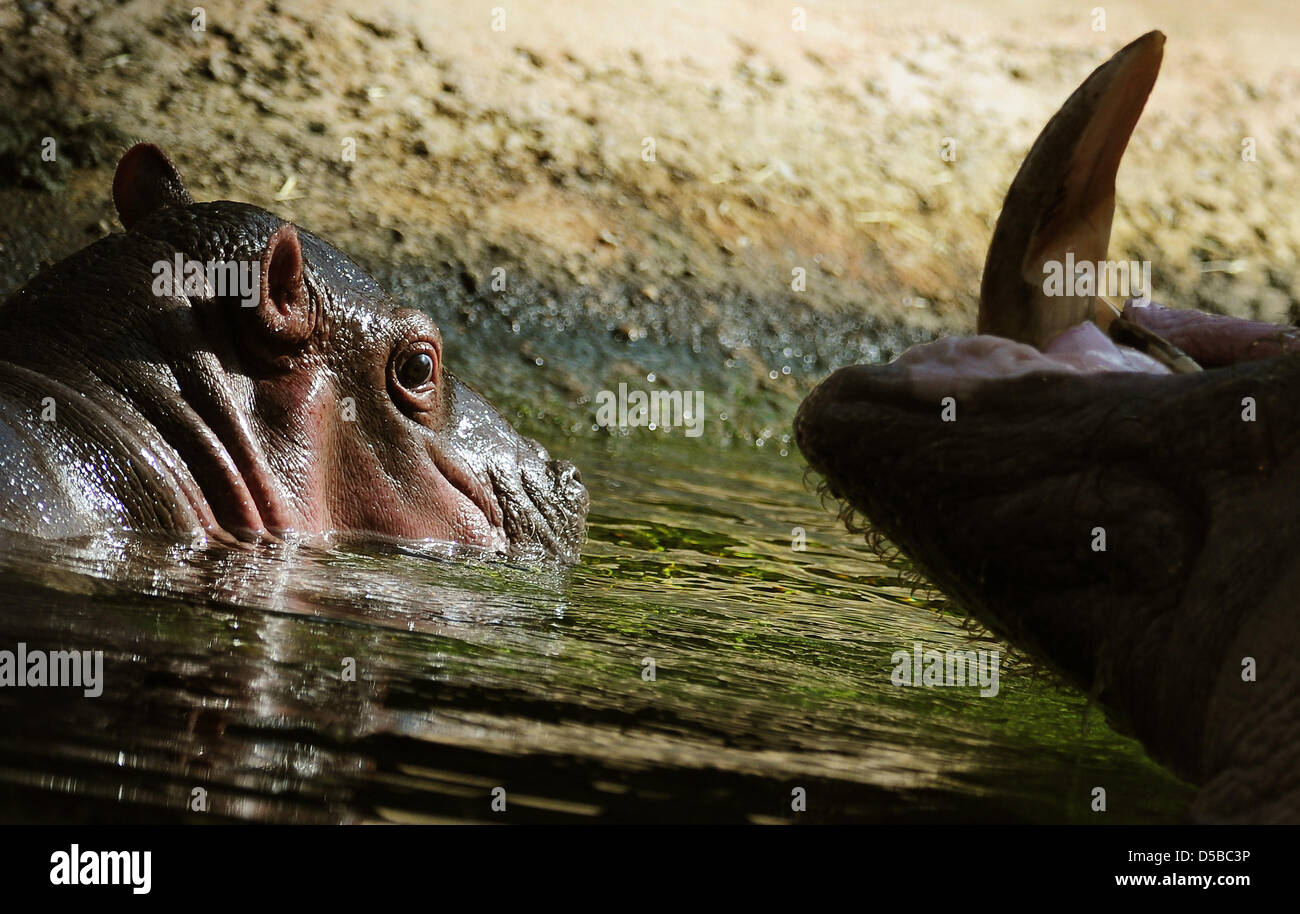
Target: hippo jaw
480,484
483,486
1122,527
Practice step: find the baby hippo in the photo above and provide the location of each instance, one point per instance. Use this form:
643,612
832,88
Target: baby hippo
216,371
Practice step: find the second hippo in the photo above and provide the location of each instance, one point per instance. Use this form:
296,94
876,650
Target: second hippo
217,371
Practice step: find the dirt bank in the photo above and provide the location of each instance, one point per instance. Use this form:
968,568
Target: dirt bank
774,150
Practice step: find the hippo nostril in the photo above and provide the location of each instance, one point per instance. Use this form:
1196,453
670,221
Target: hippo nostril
565,471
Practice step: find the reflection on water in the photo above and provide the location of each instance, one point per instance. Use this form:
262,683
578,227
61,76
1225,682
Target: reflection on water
226,673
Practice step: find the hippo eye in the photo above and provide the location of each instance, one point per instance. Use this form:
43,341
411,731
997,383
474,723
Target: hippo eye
415,371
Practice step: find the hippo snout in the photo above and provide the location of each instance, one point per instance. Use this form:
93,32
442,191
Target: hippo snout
570,491
543,502
567,476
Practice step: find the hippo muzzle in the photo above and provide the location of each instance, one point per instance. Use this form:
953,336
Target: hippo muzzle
538,503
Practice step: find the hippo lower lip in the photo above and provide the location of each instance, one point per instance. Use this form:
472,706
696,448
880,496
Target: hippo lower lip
961,365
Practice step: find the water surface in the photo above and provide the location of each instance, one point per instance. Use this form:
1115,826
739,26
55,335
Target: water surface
224,673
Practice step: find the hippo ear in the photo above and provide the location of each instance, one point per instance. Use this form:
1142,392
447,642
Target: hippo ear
146,181
1062,200
284,307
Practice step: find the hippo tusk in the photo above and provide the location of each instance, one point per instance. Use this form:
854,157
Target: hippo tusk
1052,211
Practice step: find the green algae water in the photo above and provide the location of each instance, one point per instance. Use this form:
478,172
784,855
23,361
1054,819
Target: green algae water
693,667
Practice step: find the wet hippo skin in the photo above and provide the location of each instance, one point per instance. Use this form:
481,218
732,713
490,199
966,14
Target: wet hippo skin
1169,437
273,391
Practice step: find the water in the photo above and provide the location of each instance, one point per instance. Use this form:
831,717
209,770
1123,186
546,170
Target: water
224,677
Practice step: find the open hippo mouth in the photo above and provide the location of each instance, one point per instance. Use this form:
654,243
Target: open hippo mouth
1063,404
974,454
1113,491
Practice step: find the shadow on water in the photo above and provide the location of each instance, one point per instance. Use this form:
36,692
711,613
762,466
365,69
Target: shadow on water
225,672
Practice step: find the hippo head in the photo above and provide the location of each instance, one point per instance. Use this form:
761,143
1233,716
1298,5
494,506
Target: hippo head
1114,492
278,388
